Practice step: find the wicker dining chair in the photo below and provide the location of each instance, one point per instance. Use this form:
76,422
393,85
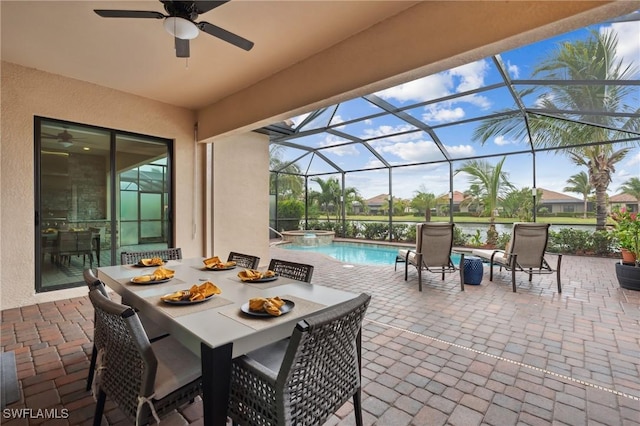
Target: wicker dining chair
132,257
306,378
297,271
244,260
154,332
145,380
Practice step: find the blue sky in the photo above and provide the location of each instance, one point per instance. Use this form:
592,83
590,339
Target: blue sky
552,170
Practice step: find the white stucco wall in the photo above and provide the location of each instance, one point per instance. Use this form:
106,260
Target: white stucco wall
240,196
28,92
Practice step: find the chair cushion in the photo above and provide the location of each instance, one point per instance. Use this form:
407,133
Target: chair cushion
412,255
177,366
271,356
486,255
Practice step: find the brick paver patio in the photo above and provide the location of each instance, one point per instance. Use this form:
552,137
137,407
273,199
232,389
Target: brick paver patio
485,356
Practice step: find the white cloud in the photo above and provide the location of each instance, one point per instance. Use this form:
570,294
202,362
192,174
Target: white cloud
343,150
389,130
513,70
471,75
331,140
475,99
422,89
633,160
337,119
458,151
414,152
434,113
501,141
628,42
466,77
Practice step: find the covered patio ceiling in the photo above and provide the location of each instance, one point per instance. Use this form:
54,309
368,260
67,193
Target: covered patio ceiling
442,118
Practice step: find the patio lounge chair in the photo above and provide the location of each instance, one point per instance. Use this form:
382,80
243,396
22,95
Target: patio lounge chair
524,253
433,250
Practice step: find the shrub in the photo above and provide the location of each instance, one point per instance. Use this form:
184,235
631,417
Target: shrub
375,231
289,213
400,232
459,237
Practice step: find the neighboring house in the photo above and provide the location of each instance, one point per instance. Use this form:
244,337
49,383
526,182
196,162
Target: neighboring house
378,204
557,202
457,199
623,200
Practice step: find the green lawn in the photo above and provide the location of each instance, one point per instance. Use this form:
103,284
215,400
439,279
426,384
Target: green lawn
469,219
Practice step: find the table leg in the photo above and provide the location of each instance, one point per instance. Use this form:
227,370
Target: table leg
216,382
97,240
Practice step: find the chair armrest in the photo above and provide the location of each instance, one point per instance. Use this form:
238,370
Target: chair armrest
504,254
409,251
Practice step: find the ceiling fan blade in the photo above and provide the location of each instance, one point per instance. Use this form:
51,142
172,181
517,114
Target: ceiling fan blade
182,48
48,136
225,35
129,14
204,6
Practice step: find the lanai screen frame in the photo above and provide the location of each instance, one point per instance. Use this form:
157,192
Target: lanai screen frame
321,121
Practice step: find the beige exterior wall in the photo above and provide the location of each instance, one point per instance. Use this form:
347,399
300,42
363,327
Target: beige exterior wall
240,196
28,92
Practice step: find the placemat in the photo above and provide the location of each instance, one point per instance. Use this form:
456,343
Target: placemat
302,308
179,310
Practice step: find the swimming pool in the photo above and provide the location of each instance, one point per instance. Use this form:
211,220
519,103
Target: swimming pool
364,254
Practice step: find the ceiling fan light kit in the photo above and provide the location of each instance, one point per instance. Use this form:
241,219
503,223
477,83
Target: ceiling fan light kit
181,28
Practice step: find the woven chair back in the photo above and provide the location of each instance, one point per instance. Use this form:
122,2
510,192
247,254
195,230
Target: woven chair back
529,242
321,371
435,241
297,271
129,365
244,260
129,258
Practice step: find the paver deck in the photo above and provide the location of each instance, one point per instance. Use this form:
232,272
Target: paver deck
485,356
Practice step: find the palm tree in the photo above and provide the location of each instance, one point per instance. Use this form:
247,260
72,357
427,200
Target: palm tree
424,200
473,199
592,59
632,187
579,184
493,182
290,183
330,195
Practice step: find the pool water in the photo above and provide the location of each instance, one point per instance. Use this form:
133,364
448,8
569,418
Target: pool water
364,254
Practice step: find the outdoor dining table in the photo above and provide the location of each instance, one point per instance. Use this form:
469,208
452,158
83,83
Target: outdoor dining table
216,329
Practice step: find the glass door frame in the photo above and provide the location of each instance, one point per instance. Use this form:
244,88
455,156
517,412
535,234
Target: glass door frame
112,194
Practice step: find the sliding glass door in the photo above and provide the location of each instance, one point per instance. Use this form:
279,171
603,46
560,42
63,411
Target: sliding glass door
98,192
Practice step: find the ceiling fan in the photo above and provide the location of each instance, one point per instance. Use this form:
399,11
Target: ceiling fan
64,138
180,22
